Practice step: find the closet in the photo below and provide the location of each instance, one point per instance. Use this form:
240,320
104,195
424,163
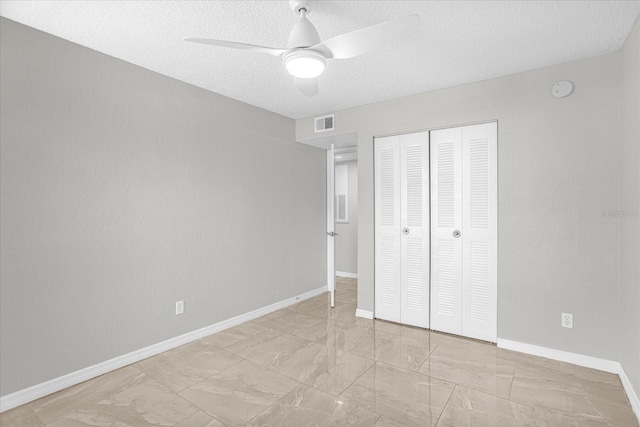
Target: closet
436,230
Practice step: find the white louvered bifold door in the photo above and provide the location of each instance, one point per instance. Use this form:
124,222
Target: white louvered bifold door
414,212
446,218
479,231
387,228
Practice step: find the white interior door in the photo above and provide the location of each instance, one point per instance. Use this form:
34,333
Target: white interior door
387,228
331,232
414,237
479,231
446,224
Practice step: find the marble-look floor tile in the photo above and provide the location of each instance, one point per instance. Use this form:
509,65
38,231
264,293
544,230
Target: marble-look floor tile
409,398
422,335
617,411
471,408
270,352
340,335
392,328
343,312
350,298
239,393
22,416
451,340
476,367
387,422
576,398
595,382
398,350
311,304
200,419
307,407
188,365
238,333
146,404
325,368
290,322
539,392
245,346
365,323
522,359
52,407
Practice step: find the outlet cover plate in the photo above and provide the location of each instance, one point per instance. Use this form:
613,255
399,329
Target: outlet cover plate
567,320
179,307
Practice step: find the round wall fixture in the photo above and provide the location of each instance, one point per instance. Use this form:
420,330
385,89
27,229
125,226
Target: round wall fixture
562,88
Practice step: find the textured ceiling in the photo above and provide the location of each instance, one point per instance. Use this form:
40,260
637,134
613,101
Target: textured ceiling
459,42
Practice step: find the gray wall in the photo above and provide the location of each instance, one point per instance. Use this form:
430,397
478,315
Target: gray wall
557,171
347,240
630,201
123,191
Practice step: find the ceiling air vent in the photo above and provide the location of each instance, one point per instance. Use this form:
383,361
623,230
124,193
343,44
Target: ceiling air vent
324,124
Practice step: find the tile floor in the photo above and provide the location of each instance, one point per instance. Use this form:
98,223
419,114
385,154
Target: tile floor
309,365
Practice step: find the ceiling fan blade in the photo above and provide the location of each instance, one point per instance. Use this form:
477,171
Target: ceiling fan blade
367,39
308,87
235,45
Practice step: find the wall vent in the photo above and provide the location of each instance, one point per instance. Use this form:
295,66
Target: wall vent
324,124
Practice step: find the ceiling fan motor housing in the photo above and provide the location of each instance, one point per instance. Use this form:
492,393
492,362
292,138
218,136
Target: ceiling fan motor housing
303,34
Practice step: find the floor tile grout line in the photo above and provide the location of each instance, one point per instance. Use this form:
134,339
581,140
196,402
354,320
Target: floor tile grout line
350,384
513,377
444,408
428,356
354,381
199,408
213,375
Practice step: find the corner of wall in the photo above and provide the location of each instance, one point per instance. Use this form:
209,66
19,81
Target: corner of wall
629,209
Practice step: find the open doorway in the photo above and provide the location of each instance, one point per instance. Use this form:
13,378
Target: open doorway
346,225
341,150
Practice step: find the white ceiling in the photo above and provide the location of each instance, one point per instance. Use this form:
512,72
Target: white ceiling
459,42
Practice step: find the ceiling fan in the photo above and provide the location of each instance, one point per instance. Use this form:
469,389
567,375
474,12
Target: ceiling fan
305,56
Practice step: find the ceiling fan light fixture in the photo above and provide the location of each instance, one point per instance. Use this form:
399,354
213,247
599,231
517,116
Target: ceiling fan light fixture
304,64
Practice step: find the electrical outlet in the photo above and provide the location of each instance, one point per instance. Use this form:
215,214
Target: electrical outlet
179,307
567,320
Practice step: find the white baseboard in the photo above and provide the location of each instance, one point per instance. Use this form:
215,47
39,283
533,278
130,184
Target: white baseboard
364,313
562,356
580,360
37,391
631,393
347,275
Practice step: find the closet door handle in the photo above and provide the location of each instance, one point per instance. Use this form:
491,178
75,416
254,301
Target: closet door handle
456,233
405,230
